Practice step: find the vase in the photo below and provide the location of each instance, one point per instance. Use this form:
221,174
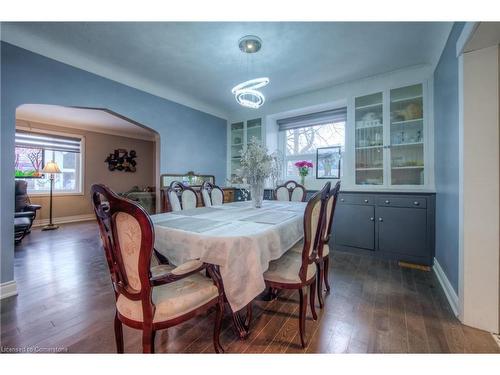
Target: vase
302,180
257,193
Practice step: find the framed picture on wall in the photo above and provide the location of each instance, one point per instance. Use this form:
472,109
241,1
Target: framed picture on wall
328,162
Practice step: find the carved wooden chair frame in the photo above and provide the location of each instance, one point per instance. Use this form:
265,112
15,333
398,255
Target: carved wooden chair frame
209,187
106,211
291,185
307,260
323,262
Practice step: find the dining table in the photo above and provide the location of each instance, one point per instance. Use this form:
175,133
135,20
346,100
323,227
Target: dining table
239,239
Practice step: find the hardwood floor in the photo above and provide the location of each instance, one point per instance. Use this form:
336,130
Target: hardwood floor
66,301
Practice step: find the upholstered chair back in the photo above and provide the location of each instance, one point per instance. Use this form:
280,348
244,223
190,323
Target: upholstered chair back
175,203
282,194
290,191
21,195
205,196
313,228
298,194
181,197
330,210
127,235
217,196
331,203
211,194
189,199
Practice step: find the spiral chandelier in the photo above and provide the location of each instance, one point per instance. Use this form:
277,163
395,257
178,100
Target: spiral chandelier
246,93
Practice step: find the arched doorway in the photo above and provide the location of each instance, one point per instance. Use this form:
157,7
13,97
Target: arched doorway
102,134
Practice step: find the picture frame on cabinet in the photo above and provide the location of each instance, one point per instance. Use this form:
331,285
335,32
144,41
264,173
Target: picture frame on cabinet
328,162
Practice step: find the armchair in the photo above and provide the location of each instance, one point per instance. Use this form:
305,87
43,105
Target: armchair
150,298
25,211
296,269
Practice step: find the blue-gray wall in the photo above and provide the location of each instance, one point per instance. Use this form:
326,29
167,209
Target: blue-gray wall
190,139
446,157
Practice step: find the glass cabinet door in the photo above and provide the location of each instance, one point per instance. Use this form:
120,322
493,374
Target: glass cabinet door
407,136
369,140
237,142
254,130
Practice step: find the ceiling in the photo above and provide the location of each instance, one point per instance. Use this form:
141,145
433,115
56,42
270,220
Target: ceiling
197,63
95,120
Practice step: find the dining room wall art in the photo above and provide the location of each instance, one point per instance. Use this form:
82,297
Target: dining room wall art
328,162
122,160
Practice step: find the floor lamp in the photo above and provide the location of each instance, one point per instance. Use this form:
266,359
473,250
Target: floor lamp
51,167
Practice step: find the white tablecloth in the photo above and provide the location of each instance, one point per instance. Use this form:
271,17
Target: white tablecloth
242,240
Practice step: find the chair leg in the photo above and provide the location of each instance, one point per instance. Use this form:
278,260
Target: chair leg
319,280
302,315
249,314
118,334
148,340
326,261
312,297
219,313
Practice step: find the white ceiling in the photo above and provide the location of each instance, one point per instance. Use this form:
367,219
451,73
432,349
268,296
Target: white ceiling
197,63
95,120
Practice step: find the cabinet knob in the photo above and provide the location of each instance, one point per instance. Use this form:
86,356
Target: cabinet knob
341,199
366,200
387,202
380,219
372,219
416,203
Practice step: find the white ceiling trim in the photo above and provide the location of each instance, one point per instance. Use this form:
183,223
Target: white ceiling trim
465,36
33,43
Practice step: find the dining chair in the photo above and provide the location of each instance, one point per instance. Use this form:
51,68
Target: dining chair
323,260
150,298
180,197
297,269
211,195
290,191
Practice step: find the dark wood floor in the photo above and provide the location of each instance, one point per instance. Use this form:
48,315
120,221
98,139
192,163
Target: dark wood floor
66,301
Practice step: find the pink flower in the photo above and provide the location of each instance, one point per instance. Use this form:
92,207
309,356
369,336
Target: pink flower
303,164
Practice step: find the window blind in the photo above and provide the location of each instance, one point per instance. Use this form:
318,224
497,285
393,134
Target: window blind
47,141
312,119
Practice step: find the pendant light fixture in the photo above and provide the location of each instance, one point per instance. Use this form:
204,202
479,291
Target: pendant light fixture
246,93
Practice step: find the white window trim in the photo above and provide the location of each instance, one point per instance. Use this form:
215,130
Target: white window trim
81,190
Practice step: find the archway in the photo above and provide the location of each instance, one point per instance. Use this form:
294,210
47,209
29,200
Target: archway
103,133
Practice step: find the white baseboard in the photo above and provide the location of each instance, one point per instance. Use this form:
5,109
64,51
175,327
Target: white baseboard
64,220
8,289
450,293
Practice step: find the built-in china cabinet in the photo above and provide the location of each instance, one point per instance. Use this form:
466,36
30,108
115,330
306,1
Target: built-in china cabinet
240,135
389,129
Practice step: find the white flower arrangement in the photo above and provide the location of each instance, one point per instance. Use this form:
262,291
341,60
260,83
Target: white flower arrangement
256,163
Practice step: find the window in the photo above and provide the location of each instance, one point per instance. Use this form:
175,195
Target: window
34,149
302,135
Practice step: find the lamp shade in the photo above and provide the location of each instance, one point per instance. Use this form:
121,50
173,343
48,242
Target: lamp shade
51,167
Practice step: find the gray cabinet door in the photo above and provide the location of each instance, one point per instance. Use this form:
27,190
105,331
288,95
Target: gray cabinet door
353,225
402,230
